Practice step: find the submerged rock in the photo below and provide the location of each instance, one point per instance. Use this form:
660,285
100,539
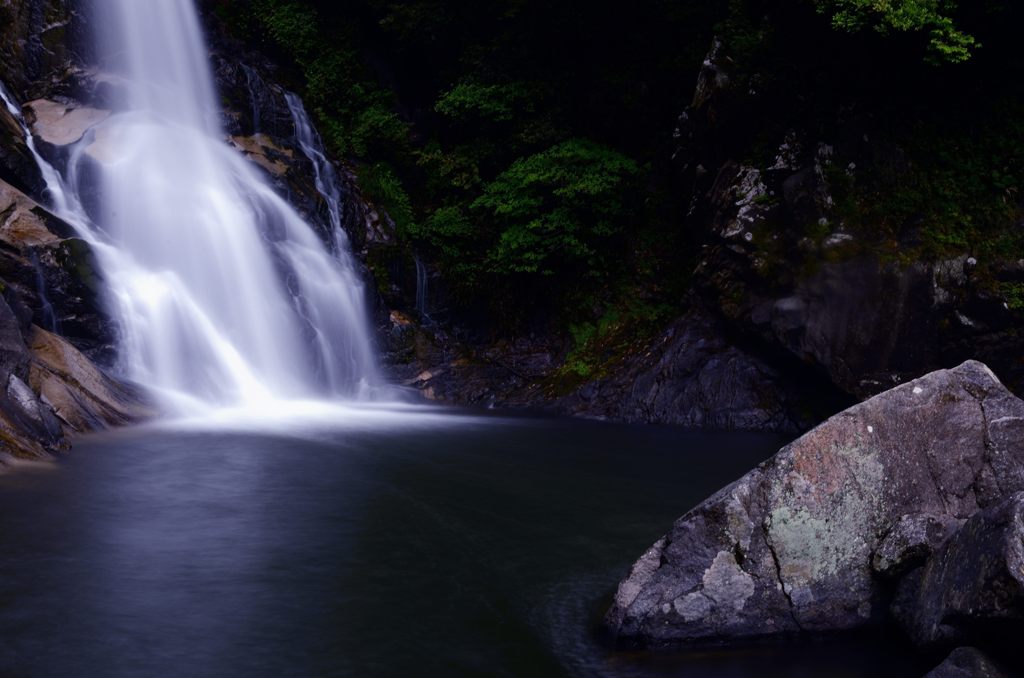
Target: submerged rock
790,546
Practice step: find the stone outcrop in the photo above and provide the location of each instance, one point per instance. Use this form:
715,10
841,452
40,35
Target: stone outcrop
688,375
38,40
692,376
865,320
53,273
795,545
53,387
784,265
61,124
17,166
51,390
51,382
80,394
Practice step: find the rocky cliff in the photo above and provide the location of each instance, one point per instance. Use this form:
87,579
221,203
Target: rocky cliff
58,344
796,257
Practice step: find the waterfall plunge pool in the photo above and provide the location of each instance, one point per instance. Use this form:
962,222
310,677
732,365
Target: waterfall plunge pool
414,542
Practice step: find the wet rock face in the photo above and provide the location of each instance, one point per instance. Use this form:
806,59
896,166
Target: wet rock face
260,125
78,393
48,387
259,122
794,545
17,166
38,38
46,274
53,274
28,428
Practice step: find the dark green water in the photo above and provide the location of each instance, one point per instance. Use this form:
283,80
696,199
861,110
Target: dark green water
410,545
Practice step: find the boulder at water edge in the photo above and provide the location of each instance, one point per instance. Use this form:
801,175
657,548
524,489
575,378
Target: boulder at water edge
810,539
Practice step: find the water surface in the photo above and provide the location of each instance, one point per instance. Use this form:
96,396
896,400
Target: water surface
376,544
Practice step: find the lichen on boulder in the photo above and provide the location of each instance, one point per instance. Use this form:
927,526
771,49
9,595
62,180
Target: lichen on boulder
795,544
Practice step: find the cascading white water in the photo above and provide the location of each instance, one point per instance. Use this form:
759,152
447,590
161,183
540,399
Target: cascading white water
224,295
324,174
422,290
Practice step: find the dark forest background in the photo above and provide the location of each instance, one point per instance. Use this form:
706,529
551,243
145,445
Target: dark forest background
529,149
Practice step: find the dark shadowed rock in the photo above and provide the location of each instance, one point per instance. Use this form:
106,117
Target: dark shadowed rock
972,590
691,375
786,262
911,541
55,274
13,352
967,662
17,166
688,375
789,547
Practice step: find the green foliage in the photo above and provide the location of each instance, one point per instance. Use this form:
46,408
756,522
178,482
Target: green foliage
330,78
946,42
454,238
558,207
492,103
960,193
1013,293
381,185
456,169
356,115
291,23
472,159
598,346
377,131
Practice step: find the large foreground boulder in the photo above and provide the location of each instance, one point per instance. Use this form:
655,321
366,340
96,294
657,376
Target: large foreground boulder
797,544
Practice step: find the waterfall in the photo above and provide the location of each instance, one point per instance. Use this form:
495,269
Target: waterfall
222,293
326,177
250,77
49,315
421,289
